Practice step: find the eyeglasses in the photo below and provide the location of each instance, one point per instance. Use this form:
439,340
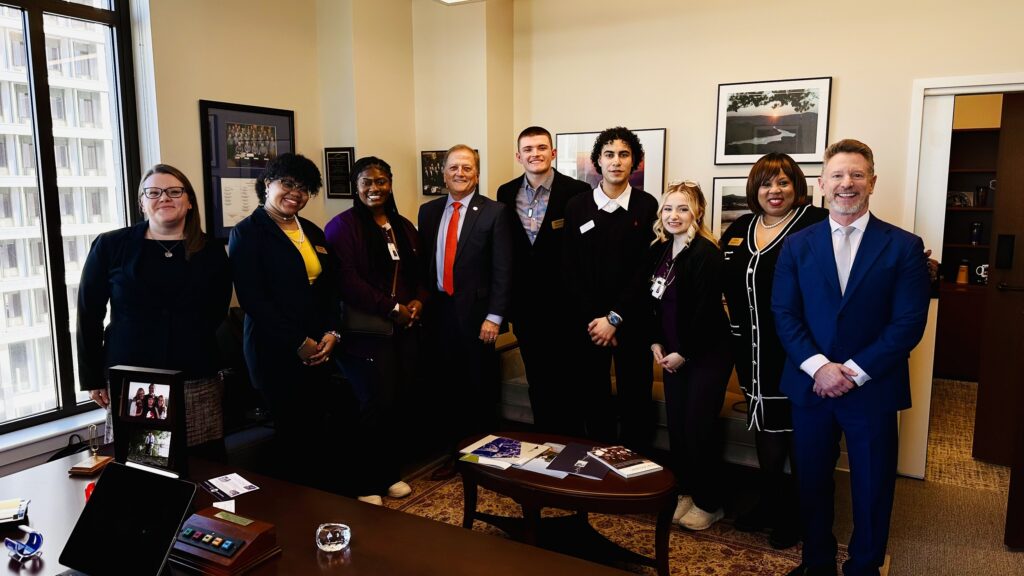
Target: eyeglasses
367,182
154,193
290,185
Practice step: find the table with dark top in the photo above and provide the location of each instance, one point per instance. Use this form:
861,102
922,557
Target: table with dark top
384,542
653,493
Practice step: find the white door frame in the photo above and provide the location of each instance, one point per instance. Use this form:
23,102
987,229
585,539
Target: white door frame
931,110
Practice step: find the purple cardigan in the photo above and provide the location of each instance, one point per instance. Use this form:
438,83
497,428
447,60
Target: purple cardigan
366,290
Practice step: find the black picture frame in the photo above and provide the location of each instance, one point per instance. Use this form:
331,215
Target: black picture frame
789,116
237,143
338,163
166,451
432,172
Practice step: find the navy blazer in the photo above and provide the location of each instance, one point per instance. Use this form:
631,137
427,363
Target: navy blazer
282,308
537,287
877,322
483,259
145,331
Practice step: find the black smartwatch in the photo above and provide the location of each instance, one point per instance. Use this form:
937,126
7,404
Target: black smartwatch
614,319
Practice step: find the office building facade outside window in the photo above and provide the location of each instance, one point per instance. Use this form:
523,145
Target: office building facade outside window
66,153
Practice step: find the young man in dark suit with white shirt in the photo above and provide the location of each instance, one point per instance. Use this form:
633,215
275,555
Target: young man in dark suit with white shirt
468,256
536,202
851,301
608,232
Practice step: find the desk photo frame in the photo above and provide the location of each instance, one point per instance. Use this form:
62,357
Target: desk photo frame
150,434
238,142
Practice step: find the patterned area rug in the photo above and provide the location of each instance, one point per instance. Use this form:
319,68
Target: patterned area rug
951,438
719,551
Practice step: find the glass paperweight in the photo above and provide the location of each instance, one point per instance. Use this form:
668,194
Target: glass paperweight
332,537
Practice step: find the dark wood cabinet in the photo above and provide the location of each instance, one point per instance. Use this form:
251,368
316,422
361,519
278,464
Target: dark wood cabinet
966,242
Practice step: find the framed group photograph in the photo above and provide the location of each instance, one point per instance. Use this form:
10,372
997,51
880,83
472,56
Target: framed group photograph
728,201
338,165
149,418
573,159
432,172
789,116
238,142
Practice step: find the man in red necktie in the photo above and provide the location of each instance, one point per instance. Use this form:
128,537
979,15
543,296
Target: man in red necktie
468,251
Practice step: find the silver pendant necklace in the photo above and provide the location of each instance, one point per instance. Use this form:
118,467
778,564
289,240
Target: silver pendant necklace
167,251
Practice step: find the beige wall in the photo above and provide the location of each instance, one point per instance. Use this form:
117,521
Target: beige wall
257,52
589,64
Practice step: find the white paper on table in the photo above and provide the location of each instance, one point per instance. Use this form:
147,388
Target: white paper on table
237,199
233,484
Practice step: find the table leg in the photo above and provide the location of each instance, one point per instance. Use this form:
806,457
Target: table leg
469,492
531,524
661,536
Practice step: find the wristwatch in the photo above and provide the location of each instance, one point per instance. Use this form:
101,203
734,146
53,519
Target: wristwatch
614,319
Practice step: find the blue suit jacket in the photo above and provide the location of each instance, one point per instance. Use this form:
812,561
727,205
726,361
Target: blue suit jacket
877,322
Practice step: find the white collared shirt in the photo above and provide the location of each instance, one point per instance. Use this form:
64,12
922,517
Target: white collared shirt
611,205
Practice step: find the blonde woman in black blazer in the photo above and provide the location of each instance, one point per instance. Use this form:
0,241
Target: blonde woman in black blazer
690,342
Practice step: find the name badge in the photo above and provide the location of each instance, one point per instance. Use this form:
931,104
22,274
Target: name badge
556,224
321,249
735,241
394,251
658,288
587,227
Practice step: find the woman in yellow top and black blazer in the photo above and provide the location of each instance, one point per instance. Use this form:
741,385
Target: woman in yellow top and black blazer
287,282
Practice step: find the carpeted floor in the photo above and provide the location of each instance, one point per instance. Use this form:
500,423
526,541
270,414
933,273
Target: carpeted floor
718,551
950,437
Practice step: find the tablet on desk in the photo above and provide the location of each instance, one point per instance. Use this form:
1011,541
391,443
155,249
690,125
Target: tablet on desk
129,523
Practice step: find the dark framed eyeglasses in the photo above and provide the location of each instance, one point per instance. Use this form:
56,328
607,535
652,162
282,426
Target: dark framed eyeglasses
154,193
290,185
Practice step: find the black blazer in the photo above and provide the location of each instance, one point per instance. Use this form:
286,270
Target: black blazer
537,287
143,330
483,259
281,307
701,324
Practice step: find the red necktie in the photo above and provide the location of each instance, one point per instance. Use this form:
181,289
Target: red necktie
451,243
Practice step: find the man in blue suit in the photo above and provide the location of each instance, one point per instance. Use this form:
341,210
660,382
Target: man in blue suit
850,302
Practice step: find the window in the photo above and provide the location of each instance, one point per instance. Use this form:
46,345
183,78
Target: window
85,60
8,259
57,111
41,261
12,309
18,54
24,103
87,109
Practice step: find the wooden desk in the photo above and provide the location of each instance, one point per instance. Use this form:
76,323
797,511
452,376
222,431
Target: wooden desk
384,542
653,493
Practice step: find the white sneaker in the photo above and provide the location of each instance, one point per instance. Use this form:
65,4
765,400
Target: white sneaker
399,490
697,519
372,499
682,507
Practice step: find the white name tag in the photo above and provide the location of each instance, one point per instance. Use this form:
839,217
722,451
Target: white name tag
394,251
587,227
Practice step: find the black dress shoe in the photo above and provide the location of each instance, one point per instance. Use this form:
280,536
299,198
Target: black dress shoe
804,570
784,536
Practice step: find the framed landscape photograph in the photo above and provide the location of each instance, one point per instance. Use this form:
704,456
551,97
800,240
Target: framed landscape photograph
728,203
789,116
432,172
574,159
338,165
238,142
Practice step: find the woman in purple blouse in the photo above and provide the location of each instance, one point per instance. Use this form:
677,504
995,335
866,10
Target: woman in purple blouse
380,277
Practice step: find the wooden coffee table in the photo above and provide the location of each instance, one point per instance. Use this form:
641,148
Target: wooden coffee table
651,493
